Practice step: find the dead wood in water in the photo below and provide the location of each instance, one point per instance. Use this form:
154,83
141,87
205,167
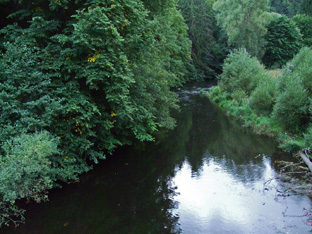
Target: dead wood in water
305,158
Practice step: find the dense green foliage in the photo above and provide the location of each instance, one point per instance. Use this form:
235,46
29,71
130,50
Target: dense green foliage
301,66
244,22
209,46
263,97
291,8
241,72
295,91
292,104
306,7
286,7
26,171
304,22
283,41
79,78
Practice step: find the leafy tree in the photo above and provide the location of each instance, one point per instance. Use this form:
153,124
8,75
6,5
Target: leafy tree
283,41
241,71
294,92
294,7
208,42
304,22
279,6
162,66
158,6
244,23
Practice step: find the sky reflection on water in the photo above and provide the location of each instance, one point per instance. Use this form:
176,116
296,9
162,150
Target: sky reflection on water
215,201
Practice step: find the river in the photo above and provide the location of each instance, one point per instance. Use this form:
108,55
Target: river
208,175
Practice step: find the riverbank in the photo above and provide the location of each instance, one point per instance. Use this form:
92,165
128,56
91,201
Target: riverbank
261,125
275,103
296,176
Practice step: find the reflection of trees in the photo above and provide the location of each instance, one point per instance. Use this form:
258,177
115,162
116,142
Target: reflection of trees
239,144
238,149
204,132
129,193
202,120
172,144
213,135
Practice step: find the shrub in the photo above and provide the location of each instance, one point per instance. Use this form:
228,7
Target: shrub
263,97
290,144
25,170
301,66
241,72
239,96
283,42
216,94
291,106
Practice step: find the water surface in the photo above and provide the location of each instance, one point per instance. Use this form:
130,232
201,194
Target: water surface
208,175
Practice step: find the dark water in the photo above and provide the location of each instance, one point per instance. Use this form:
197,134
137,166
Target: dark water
208,175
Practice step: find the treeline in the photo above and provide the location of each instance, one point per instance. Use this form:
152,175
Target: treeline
78,79
266,79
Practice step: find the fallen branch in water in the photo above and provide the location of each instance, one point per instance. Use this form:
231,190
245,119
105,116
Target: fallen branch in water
303,155
296,177
288,164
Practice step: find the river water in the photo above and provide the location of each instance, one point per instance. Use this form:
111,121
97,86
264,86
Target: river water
208,175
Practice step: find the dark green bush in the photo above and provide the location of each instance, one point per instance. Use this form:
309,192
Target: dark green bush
283,40
304,23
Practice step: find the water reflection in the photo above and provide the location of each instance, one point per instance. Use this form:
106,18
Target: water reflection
124,195
217,202
206,176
